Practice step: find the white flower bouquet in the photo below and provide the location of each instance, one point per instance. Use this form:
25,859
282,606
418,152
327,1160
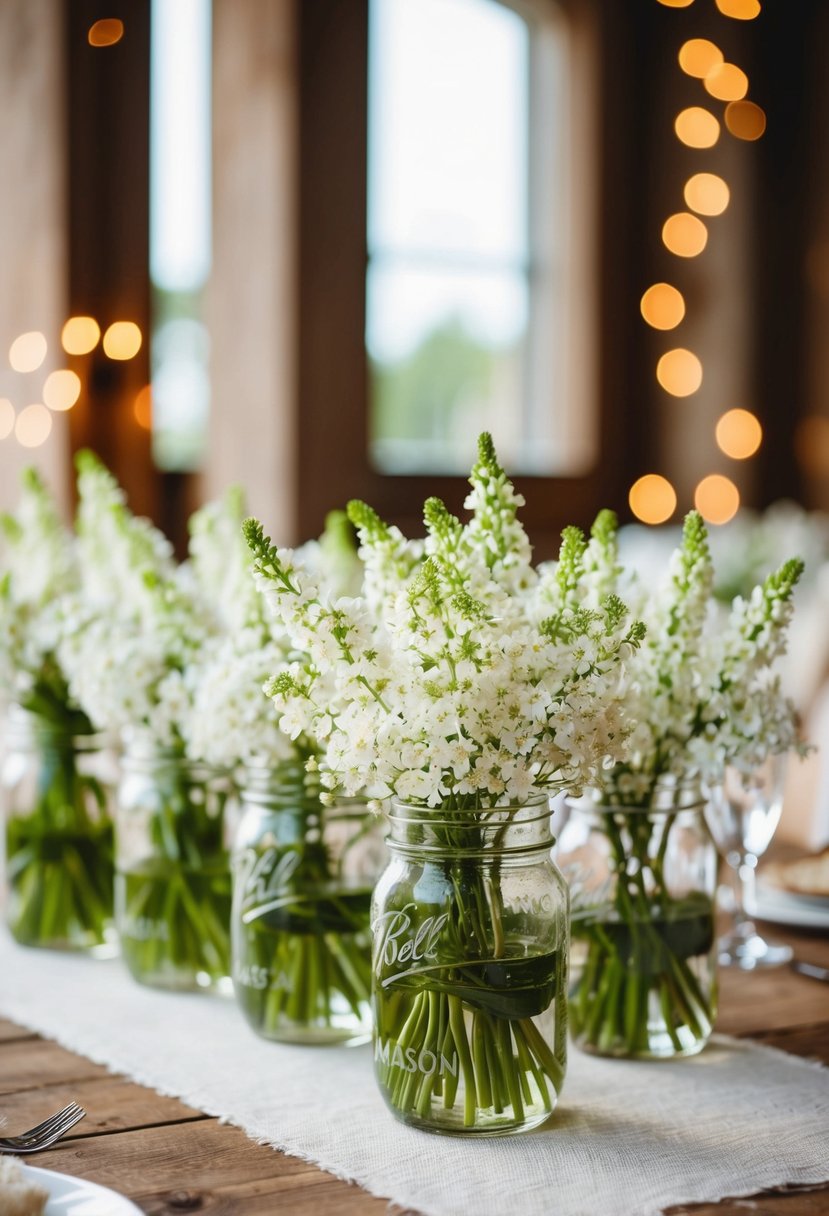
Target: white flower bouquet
303,870
132,645
703,695
465,684
58,826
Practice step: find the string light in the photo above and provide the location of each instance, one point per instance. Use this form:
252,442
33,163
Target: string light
122,340
61,390
142,408
684,234
740,10
652,499
662,306
80,335
698,56
679,372
28,351
739,434
33,426
717,499
6,417
697,128
726,82
707,194
106,32
745,119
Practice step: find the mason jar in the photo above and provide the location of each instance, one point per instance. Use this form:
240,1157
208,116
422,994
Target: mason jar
470,933
57,794
303,873
172,880
642,887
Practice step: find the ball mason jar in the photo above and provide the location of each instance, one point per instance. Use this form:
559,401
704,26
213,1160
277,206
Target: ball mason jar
57,799
470,932
642,887
172,880
303,874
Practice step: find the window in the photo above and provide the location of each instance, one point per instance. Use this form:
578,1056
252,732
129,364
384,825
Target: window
180,223
466,308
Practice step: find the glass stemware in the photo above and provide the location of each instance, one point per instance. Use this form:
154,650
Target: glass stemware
742,813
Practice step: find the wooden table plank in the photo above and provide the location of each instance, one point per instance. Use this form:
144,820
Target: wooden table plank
207,1167
112,1104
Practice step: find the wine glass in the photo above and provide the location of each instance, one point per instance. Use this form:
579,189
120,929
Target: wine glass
742,814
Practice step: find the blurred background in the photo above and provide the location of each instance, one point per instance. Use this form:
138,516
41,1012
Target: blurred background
315,246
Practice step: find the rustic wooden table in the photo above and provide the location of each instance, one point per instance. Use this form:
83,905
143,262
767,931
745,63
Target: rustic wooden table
171,1159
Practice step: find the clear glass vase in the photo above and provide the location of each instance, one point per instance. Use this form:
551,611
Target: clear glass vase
172,882
470,928
642,886
303,877
57,794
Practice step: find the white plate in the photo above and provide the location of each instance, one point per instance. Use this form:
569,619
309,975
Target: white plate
787,908
76,1197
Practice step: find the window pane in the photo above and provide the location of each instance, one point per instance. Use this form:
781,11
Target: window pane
180,228
448,358
448,127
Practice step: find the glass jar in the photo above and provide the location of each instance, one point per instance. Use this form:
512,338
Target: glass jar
642,886
470,928
303,873
57,793
172,880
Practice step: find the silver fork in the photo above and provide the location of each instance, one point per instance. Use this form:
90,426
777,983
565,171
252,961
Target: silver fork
46,1133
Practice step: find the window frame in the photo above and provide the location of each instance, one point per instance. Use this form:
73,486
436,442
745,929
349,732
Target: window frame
333,409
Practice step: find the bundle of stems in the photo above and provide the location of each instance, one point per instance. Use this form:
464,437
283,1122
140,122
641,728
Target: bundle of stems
301,936
475,1035
642,989
173,901
59,853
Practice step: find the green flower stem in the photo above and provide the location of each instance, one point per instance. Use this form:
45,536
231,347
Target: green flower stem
457,1034
174,902
301,955
59,855
638,979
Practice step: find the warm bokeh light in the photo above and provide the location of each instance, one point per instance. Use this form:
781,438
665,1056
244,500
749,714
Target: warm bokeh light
61,390
106,32
717,499
80,335
697,128
707,194
676,3
652,499
142,408
698,56
684,234
739,434
742,10
811,445
745,119
28,351
662,306
6,417
679,372
122,340
726,82
33,426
